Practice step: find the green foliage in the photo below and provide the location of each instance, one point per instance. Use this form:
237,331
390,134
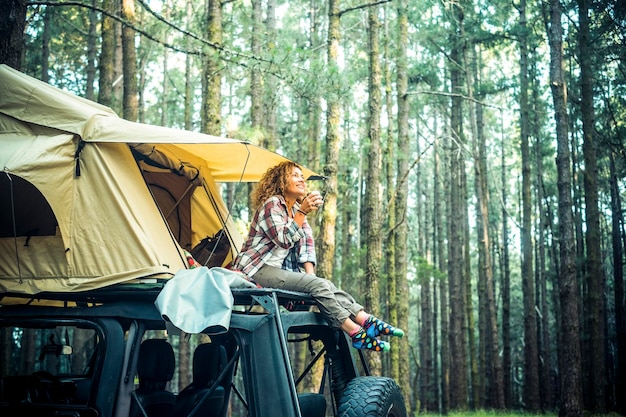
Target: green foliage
487,413
426,272
69,28
494,413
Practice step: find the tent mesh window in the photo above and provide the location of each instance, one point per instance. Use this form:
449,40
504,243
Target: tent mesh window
24,211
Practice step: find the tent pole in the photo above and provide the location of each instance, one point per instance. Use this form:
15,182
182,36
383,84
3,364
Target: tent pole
179,200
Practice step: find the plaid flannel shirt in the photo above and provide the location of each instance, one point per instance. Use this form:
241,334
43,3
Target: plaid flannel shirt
272,227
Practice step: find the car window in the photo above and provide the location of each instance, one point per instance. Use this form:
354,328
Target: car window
62,350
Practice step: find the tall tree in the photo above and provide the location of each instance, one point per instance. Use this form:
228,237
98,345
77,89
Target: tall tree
401,229
211,77
594,304
425,341
12,25
389,168
617,221
459,389
505,288
373,197
130,96
188,67
469,327
257,104
314,111
542,295
326,249
165,84
531,357
45,43
270,94
569,351
493,387
107,53
438,212
92,51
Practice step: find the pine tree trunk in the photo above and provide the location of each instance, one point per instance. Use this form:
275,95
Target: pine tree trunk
443,288
212,80
425,339
506,291
164,81
495,389
594,305
401,230
12,25
457,339
107,53
118,60
45,44
470,325
425,328
92,51
531,355
543,231
270,99
188,75
130,96
256,78
326,242
392,361
545,368
141,82
372,197
569,351
579,234
314,110
617,221
456,235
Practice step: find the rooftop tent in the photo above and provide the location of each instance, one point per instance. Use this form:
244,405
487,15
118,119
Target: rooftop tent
79,186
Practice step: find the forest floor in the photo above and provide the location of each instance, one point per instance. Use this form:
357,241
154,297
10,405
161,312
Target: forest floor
487,413
505,413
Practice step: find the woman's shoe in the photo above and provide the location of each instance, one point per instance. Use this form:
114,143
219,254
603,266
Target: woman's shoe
361,340
375,327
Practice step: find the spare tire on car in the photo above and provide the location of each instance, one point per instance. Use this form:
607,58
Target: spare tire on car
371,396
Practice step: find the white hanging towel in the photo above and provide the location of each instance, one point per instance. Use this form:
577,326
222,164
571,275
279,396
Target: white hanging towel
200,299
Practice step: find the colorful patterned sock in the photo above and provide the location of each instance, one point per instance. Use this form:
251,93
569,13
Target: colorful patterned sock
360,340
375,327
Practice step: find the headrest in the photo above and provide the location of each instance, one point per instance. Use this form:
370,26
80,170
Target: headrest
156,361
208,361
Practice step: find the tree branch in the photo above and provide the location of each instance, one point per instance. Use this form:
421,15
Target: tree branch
441,93
403,179
123,21
362,6
226,54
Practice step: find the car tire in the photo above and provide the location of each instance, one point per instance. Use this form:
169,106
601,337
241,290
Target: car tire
371,396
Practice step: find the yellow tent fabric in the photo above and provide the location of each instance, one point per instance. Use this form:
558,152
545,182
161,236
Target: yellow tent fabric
30,100
109,230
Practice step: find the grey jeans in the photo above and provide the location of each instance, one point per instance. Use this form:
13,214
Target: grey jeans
336,305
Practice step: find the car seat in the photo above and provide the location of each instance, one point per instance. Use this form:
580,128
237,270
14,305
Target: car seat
155,368
205,396
312,404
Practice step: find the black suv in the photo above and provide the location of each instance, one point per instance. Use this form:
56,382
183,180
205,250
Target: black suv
97,214
109,353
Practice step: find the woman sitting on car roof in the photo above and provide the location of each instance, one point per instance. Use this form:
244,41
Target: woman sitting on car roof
279,252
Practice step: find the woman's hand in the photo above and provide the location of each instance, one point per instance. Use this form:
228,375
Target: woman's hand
312,201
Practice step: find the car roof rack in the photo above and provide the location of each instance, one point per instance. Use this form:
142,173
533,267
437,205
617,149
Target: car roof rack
148,293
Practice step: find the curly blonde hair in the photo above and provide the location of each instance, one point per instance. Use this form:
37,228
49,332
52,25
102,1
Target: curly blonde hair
273,182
